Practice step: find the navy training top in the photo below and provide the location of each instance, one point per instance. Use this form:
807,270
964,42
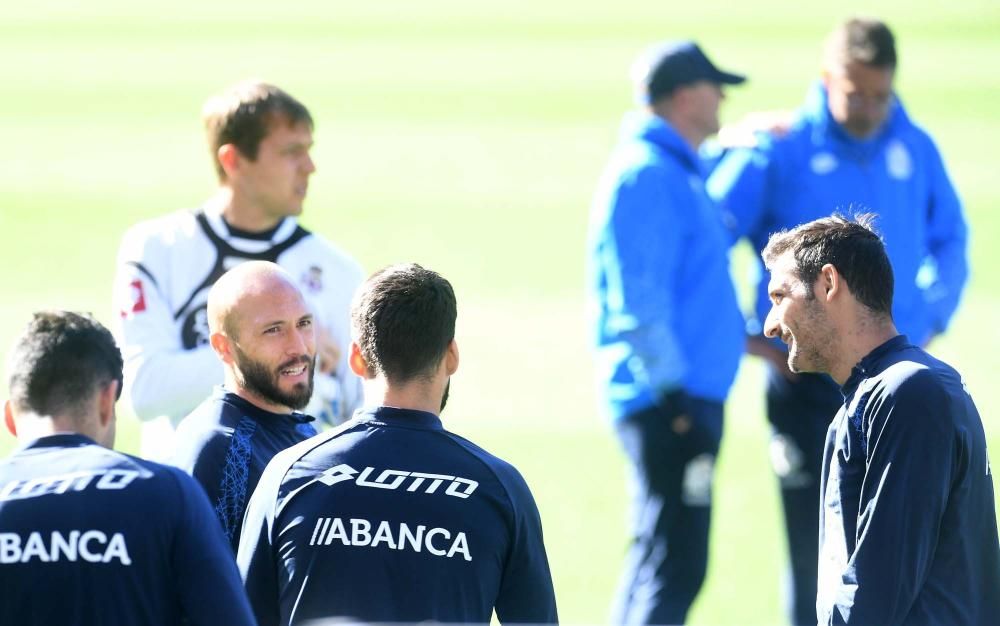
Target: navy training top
226,443
93,536
908,529
391,518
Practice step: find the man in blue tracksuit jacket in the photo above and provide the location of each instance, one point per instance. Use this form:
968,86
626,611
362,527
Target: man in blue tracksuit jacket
262,330
667,328
89,535
852,147
908,527
391,518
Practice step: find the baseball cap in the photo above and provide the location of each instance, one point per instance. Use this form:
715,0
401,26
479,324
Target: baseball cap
670,65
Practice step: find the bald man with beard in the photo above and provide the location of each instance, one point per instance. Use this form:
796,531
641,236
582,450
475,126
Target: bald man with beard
263,332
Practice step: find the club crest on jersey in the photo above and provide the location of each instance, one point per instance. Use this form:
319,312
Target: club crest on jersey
823,163
898,161
312,279
134,299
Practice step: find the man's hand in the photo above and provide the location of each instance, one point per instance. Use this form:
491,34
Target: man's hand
778,358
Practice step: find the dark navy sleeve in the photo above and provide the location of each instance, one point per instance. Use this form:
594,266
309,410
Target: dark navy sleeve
207,580
526,593
910,456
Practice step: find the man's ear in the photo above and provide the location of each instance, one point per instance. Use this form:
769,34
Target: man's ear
223,347
106,399
358,363
830,283
451,358
229,158
8,418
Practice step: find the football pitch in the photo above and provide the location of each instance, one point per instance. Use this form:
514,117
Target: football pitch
468,137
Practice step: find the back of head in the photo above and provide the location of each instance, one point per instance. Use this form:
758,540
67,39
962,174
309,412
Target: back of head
403,320
243,114
59,362
863,40
851,246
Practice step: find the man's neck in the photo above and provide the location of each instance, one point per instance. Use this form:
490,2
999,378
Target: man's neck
419,395
691,136
870,335
239,213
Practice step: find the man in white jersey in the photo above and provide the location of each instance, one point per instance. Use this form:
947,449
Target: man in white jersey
260,138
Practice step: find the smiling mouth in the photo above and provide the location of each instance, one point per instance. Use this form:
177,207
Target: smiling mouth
294,369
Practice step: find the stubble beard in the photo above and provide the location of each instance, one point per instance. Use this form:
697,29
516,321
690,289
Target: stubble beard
258,378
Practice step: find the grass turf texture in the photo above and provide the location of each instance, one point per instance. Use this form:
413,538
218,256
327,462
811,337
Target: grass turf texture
467,137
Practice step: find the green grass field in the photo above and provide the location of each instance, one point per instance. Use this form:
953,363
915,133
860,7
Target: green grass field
466,136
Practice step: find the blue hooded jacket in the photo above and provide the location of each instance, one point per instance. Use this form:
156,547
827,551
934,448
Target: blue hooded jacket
662,304
817,169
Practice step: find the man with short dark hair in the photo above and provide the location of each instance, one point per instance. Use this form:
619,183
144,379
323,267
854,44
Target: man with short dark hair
264,334
667,327
852,146
260,139
908,530
391,518
89,535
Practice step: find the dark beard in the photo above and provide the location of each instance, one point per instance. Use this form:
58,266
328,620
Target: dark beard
256,377
444,397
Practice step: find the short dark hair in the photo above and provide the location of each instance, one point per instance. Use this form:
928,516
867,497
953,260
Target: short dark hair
861,40
243,114
851,246
59,361
403,320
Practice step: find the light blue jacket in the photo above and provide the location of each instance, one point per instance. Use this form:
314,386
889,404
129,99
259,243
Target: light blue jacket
818,169
662,305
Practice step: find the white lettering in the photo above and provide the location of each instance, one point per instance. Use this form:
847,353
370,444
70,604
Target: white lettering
420,476
384,534
337,474
470,486
360,535
117,479
393,479
86,538
10,548
117,549
415,541
338,532
430,544
88,546
60,544
460,545
35,547
380,483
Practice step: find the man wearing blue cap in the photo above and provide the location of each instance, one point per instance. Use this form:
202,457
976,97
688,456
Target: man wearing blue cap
668,332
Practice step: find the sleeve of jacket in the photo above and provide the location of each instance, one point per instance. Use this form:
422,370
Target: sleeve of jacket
255,556
947,234
910,457
645,245
526,593
208,581
739,184
161,377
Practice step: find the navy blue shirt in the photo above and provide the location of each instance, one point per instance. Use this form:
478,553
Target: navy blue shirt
908,530
92,536
391,518
226,443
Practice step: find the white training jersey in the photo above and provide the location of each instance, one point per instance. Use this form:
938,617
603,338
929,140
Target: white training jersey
166,267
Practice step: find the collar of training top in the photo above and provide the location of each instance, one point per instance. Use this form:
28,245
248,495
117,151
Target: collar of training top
393,416
869,363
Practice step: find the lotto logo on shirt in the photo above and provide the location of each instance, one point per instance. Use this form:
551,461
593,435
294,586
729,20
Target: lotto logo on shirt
395,479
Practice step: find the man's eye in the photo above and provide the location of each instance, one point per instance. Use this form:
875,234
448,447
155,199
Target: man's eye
272,330
305,323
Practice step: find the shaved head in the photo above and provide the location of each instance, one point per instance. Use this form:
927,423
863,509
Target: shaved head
262,329
243,288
